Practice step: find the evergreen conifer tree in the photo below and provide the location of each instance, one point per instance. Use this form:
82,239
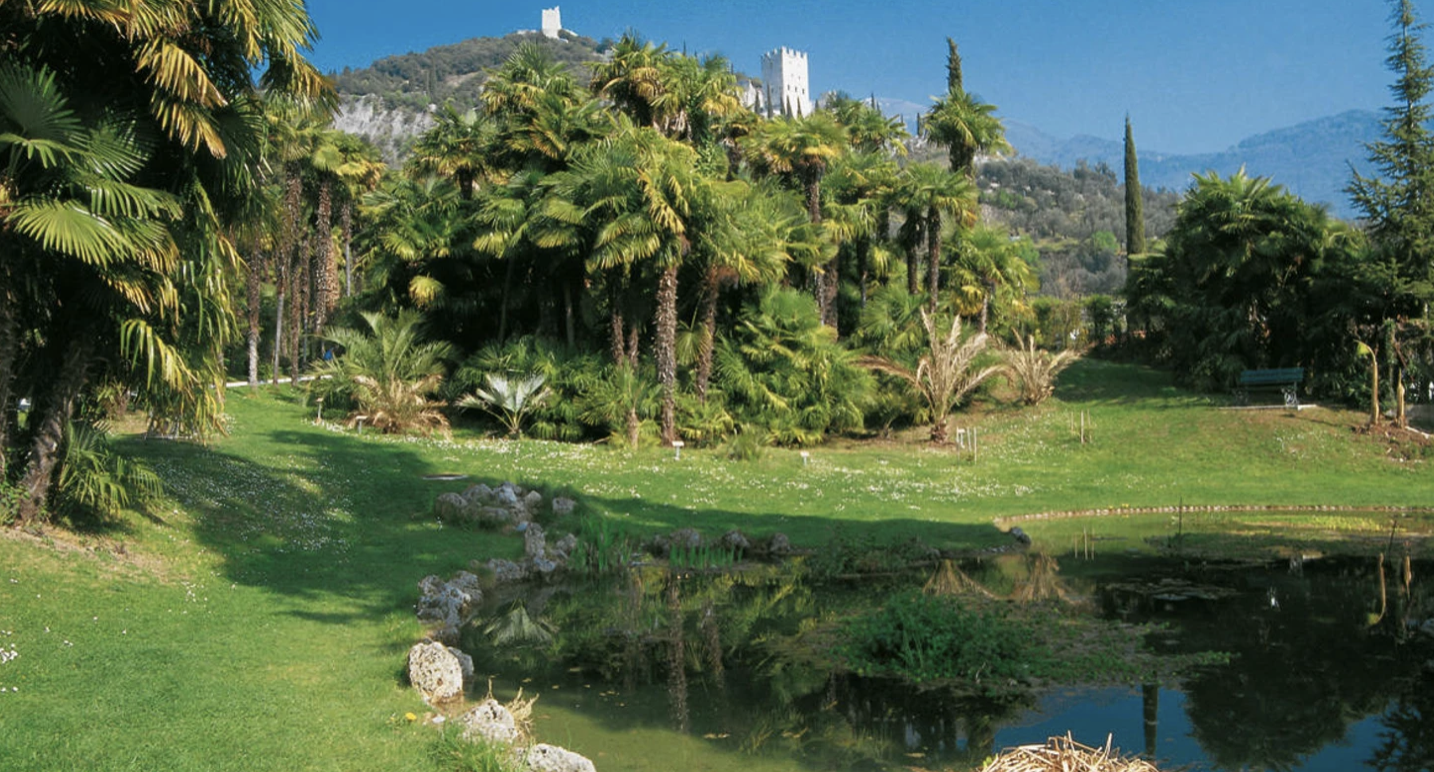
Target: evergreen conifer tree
953,68
1134,209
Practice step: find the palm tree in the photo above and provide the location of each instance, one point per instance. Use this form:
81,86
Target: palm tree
1036,369
747,237
943,376
967,126
636,195
801,149
457,146
389,372
930,193
990,270
158,92
632,79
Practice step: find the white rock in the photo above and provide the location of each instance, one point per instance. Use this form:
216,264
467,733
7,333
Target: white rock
435,672
551,758
489,721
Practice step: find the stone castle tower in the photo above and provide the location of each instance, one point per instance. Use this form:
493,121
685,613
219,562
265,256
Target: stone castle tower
784,78
552,22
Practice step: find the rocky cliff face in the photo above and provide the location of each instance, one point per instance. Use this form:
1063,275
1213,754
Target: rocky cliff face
390,130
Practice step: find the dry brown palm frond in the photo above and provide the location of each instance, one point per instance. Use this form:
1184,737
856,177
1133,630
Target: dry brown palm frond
1035,369
1042,583
950,580
1064,754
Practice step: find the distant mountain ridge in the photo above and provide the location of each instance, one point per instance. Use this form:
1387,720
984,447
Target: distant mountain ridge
1312,159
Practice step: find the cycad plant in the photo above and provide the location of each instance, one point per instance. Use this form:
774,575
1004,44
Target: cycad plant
509,398
945,374
1036,369
389,373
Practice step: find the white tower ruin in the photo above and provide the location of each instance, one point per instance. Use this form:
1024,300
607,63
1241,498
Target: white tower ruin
784,78
552,22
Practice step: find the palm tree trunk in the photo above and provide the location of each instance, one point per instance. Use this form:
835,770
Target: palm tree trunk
326,275
667,350
986,305
913,266
933,257
346,225
569,315
278,334
938,430
615,328
863,261
709,333
253,287
8,348
503,305
49,430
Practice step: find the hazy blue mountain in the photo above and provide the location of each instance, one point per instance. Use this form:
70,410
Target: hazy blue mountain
1312,159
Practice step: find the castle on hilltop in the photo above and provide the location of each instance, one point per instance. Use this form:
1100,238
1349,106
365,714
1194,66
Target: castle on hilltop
785,89
552,22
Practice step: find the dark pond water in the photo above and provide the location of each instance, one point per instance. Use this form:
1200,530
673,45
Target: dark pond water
735,671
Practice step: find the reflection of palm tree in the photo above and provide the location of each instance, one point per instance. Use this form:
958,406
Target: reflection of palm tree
1150,711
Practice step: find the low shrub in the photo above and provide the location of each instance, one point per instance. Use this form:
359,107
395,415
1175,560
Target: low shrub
930,638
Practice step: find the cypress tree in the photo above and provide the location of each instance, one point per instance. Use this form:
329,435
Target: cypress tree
953,68
1399,203
1134,208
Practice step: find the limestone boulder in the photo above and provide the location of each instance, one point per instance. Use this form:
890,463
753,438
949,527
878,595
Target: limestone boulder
550,758
450,507
532,501
535,543
563,506
506,570
779,545
736,541
489,720
563,548
435,672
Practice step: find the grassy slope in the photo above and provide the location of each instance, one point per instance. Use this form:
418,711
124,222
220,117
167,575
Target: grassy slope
259,620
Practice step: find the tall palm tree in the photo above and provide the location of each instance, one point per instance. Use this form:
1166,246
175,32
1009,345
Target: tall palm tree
931,194
746,236
967,126
150,116
801,149
636,195
457,146
632,78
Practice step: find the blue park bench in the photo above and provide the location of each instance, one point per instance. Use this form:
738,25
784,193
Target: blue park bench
1286,380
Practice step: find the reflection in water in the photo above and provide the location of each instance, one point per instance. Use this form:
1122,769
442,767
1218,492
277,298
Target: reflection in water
745,660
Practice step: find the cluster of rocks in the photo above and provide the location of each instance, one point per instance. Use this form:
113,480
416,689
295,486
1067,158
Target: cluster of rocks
446,606
509,504
775,546
442,673
541,558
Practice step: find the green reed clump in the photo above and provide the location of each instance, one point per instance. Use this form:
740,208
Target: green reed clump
933,638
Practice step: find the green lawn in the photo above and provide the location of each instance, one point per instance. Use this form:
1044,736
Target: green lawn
259,619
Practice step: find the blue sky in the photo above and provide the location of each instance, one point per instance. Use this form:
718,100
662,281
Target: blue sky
1195,75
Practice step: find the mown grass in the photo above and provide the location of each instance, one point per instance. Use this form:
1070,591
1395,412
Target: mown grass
258,619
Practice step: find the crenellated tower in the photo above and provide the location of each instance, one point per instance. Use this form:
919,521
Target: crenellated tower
785,85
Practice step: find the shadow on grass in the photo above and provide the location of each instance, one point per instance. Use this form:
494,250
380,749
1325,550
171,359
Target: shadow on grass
1094,381
343,527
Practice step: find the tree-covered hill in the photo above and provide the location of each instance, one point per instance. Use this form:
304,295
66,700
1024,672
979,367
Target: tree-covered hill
456,72
1072,217
388,102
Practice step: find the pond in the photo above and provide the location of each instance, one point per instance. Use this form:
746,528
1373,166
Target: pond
1314,664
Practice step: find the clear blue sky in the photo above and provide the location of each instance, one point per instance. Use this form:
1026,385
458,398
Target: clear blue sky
1195,75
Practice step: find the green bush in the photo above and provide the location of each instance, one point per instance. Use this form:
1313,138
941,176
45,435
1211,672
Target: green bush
929,638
